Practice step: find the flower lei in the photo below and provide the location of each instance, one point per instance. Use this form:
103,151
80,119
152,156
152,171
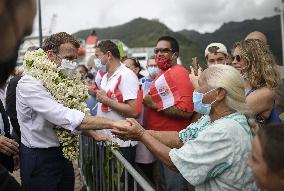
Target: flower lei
70,91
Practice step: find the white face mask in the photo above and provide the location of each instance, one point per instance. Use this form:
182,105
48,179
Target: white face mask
99,65
199,106
153,71
68,67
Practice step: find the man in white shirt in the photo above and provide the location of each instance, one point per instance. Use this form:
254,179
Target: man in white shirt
43,166
118,93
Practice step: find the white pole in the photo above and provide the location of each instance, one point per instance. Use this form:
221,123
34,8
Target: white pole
282,29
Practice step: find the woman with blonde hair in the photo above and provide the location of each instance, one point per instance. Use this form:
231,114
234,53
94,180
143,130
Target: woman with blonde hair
256,63
211,153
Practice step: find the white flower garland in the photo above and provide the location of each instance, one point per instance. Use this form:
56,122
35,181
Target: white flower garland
69,91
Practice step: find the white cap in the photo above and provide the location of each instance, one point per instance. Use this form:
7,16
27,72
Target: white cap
221,48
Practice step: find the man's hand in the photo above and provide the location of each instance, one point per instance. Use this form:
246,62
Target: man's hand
8,146
128,130
147,101
16,160
102,96
99,136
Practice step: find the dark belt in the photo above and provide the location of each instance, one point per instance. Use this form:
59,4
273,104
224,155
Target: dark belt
25,150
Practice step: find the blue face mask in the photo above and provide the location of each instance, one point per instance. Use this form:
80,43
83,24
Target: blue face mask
99,65
199,106
153,71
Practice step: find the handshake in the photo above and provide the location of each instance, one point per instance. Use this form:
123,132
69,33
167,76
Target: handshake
128,129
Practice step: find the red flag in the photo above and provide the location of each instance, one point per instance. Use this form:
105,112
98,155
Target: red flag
164,92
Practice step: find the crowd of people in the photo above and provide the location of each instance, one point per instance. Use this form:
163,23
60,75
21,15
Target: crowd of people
216,128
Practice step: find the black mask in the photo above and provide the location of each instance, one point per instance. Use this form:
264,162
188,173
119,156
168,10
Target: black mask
7,66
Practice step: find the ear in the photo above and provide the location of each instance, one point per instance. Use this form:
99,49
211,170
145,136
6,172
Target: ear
221,94
175,55
109,54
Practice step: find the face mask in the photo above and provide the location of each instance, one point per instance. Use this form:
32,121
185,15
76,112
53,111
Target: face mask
163,63
99,65
199,106
153,71
68,67
8,65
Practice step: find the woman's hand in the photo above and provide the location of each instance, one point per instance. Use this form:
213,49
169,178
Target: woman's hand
128,130
193,78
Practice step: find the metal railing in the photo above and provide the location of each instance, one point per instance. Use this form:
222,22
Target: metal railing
105,169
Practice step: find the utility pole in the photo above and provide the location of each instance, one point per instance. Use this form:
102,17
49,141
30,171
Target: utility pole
39,24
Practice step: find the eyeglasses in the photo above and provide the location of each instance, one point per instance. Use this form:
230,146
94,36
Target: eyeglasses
162,50
237,57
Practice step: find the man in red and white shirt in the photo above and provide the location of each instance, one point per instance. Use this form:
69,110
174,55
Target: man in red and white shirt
117,93
169,102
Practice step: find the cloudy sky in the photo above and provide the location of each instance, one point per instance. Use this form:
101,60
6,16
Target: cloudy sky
200,15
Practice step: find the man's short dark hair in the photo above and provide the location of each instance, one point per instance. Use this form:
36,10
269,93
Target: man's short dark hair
110,46
172,41
54,41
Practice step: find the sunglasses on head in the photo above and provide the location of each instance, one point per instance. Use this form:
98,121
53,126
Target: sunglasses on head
162,50
213,49
237,57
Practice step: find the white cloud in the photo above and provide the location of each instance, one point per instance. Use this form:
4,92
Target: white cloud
200,15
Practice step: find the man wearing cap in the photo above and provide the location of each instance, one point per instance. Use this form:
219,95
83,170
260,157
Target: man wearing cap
216,53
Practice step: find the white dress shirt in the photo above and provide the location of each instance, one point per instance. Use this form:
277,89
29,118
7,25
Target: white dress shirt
38,113
128,87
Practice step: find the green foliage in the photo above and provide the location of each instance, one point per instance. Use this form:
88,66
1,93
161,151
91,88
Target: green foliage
109,159
145,33
232,32
117,168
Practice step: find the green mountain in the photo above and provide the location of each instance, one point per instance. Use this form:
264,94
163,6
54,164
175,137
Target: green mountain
231,32
145,33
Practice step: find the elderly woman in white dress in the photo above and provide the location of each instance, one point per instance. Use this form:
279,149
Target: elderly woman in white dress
211,153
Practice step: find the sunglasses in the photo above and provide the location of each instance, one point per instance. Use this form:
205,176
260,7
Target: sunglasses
162,50
213,49
237,57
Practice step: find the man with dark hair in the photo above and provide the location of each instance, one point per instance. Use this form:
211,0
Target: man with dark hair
216,53
118,92
109,46
61,46
169,104
16,20
43,166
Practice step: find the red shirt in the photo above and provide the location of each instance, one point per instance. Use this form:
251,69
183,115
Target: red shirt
158,121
